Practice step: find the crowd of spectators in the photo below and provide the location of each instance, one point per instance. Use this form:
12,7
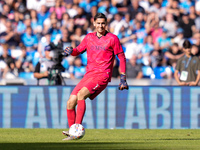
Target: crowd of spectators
151,33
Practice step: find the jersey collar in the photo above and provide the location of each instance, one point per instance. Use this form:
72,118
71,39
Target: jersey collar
102,35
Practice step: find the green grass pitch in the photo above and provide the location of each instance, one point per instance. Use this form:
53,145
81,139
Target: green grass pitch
100,139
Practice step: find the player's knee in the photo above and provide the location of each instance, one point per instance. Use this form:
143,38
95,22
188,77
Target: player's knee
71,104
81,95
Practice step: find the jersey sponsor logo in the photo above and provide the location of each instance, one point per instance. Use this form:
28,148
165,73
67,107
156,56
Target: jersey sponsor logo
99,47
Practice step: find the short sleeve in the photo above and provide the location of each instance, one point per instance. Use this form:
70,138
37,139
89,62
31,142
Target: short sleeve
178,65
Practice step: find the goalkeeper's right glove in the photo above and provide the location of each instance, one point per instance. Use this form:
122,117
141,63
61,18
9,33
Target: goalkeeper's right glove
68,50
123,84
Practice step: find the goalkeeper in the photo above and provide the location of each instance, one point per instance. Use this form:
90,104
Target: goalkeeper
101,47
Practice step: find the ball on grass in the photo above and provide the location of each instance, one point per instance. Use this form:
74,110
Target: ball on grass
77,131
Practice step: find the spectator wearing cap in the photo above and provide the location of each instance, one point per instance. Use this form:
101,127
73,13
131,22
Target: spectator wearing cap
42,68
164,41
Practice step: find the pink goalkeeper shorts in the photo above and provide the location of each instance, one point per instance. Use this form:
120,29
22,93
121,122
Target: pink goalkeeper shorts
94,83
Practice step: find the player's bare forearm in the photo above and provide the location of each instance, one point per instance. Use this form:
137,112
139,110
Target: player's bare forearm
40,75
176,77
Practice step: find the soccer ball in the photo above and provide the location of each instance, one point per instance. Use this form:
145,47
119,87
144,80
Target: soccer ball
77,131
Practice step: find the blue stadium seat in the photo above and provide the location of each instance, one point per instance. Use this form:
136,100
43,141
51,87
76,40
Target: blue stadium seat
26,75
158,70
147,71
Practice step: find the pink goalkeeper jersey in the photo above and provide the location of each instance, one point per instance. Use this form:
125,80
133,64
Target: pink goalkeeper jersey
100,52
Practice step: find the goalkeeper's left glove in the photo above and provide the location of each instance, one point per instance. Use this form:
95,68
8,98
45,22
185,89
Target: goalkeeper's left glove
123,84
68,50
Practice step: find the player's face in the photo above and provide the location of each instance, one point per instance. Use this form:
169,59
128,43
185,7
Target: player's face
100,25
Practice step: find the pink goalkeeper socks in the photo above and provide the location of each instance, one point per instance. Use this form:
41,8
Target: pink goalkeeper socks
71,115
81,107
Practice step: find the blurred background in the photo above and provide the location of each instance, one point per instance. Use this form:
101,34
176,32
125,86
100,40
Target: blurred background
151,33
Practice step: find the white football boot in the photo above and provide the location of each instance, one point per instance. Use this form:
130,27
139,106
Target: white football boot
66,133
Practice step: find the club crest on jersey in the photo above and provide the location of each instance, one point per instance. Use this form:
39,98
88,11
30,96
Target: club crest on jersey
99,47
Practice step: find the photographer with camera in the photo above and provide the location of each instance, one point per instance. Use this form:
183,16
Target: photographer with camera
43,66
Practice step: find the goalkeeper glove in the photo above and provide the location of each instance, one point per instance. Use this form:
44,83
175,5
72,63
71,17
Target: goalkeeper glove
123,84
68,50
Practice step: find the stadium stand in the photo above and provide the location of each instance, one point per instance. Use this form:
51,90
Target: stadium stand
146,28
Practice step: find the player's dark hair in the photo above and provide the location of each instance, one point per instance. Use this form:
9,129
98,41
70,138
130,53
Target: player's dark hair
100,15
186,44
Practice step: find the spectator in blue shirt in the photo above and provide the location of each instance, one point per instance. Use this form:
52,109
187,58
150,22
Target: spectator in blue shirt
54,30
77,71
140,32
42,15
146,49
29,39
164,41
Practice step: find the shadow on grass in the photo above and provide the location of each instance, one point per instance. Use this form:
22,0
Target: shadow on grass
73,146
